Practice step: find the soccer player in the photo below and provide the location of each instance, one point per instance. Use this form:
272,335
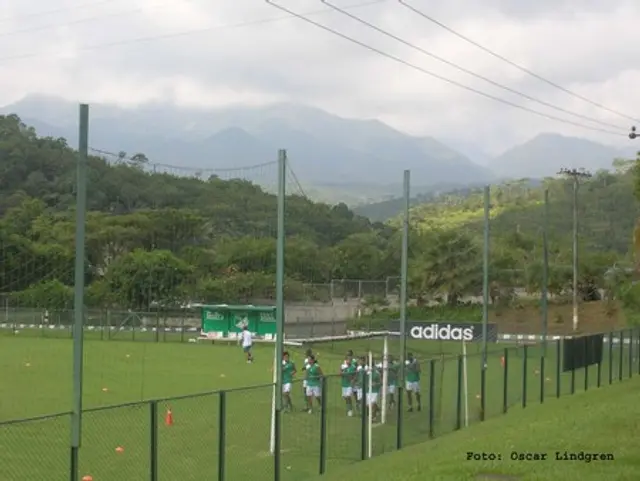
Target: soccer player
347,376
288,372
309,354
247,343
374,391
358,383
314,383
413,381
393,367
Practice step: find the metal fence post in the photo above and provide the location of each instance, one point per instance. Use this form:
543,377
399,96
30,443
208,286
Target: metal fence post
400,409
505,381
558,371
363,420
630,353
524,376
621,360
222,434
459,394
432,374
611,357
586,365
153,413
542,378
323,427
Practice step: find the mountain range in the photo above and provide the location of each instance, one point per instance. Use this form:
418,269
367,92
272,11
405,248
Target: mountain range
335,159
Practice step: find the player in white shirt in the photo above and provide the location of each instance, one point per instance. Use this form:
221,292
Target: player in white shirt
247,343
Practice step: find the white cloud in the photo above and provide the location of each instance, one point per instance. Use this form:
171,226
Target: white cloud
589,46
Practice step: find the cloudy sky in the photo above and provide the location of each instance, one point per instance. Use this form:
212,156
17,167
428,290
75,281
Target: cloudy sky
218,52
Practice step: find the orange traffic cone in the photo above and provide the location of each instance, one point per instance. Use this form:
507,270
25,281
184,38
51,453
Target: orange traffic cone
502,360
168,419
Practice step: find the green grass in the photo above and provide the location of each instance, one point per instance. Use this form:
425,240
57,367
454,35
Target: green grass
599,421
36,380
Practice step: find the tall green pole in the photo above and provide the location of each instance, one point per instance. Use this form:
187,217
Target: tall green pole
485,300
404,268
282,181
78,301
545,273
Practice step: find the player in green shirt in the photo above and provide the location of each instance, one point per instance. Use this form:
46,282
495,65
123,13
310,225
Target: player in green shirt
413,381
313,377
373,390
288,372
358,382
393,370
347,376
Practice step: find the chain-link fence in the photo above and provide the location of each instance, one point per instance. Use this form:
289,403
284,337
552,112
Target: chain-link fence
232,434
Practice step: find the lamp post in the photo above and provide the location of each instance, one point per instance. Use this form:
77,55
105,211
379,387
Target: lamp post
576,175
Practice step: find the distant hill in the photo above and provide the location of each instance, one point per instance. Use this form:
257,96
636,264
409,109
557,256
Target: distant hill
323,149
545,154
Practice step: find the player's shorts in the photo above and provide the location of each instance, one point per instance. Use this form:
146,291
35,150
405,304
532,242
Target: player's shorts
413,387
246,348
347,392
372,398
304,384
391,389
358,393
314,391
286,388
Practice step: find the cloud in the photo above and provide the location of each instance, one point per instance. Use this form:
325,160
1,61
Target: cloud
215,53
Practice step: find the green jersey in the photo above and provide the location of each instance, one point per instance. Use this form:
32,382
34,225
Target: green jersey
288,368
376,381
348,372
393,370
313,375
413,371
360,373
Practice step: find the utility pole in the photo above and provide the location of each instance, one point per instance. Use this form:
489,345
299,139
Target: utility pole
576,175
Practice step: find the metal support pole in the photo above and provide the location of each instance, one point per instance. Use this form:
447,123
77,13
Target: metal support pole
78,302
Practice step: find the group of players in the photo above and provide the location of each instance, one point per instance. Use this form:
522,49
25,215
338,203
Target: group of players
360,383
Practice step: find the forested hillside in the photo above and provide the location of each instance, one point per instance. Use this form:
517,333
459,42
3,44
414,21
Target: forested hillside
155,239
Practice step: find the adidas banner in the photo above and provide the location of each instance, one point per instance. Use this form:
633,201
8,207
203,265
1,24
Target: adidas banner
447,331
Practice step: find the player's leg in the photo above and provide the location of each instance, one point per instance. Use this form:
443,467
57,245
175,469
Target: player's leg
309,399
347,395
317,393
358,399
286,396
417,393
391,394
409,389
305,395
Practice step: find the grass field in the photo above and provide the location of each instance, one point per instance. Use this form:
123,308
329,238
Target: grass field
602,421
36,381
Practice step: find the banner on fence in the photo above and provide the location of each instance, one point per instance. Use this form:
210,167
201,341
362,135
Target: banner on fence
447,331
582,351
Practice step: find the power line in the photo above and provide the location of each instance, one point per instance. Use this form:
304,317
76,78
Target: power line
10,18
513,64
89,19
202,170
465,70
439,77
184,33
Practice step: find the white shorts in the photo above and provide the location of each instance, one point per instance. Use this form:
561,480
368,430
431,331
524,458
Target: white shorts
313,391
358,393
413,387
347,392
304,384
286,388
391,389
372,398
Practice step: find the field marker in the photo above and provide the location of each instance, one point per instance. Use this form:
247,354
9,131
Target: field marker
119,449
222,375
104,389
87,478
27,364
128,355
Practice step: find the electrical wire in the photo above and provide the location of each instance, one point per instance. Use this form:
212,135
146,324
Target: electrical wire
183,33
49,26
465,70
513,64
437,76
116,155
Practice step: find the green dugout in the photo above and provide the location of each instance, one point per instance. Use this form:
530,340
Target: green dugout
222,320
